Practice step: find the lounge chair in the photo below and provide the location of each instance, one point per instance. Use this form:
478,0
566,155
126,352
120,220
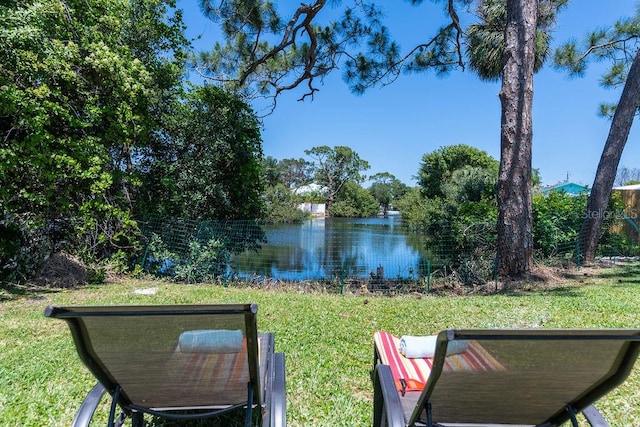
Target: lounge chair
178,362
541,377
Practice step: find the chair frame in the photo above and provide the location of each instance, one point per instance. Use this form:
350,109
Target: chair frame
271,396
390,411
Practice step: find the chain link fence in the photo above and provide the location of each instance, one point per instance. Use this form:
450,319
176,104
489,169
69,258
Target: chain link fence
379,253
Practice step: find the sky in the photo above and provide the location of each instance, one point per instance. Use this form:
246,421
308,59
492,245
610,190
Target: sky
394,126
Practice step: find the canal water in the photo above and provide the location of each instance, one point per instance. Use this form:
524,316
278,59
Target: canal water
327,248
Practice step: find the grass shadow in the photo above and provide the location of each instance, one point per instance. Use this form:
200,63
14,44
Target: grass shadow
12,292
626,272
567,291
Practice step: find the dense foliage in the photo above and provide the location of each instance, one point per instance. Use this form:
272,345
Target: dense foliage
438,167
353,201
558,216
97,130
209,163
83,85
455,205
387,190
281,206
556,221
281,178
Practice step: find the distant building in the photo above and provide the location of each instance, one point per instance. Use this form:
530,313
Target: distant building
313,209
311,192
634,187
571,188
630,215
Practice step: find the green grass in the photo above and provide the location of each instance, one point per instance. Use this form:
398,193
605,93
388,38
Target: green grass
327,340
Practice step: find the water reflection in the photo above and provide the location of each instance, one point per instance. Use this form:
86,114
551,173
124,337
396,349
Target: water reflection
336,247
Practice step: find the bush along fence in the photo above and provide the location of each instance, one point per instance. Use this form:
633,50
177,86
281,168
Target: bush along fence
195,251
380,254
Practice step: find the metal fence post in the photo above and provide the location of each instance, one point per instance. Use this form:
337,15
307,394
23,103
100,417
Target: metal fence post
428,276
495,274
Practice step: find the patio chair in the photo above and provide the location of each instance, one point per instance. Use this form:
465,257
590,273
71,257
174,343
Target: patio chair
178,362
541,377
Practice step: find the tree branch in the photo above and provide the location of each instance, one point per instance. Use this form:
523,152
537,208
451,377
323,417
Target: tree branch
268,64
610,43
455,22
288,39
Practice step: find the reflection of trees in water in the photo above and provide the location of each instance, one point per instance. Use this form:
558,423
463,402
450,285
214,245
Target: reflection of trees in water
335,248
348,266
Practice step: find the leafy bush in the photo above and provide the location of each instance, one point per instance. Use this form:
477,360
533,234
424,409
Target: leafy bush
203,262
557,217
452,225
354,201
620,232
413,208
24,245
281,206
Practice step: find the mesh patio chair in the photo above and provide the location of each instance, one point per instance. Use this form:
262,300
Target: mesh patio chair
178,362
503,377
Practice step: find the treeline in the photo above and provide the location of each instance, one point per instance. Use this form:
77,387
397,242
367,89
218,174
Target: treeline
331,175
455,205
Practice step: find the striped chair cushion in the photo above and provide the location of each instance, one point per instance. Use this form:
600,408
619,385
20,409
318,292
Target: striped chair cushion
415,372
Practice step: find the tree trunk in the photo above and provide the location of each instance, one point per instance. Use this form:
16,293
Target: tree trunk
608,166
515,239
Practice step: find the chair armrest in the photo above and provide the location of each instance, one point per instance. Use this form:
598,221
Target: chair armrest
594,417
387,408
88,406
279,396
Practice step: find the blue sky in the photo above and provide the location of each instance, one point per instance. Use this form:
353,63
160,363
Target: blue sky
393,127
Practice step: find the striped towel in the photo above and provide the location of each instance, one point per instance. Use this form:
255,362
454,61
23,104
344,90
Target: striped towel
412,374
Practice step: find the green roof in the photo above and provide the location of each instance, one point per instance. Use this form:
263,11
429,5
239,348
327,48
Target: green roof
568,187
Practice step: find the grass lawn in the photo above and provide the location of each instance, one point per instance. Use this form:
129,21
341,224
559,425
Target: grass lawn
327,339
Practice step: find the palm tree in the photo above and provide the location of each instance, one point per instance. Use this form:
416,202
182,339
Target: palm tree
485,39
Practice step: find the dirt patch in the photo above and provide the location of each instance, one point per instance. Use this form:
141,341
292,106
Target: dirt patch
62,270
544,277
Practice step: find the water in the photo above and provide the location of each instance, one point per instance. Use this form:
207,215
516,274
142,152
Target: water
336,247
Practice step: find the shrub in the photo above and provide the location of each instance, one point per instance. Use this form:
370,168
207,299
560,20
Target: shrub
557,217
203,262
281,206
24,245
